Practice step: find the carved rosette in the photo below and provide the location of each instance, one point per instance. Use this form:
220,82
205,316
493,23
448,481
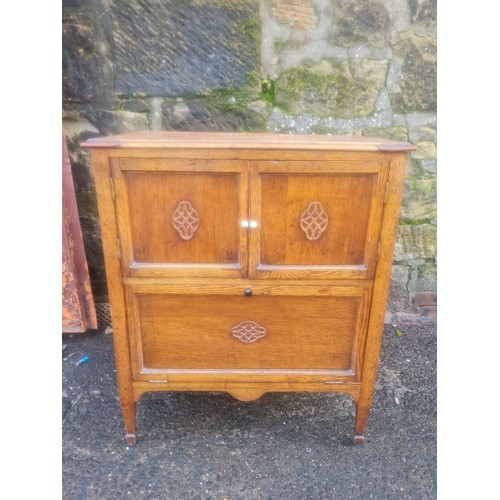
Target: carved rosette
185,220
248,331
314,221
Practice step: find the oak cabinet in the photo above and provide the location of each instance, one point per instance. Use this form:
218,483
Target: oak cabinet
247,263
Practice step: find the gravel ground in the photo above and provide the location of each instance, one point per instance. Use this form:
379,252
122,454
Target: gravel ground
283,446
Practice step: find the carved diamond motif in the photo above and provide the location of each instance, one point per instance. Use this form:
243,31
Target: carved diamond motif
314,220
248,331
185,220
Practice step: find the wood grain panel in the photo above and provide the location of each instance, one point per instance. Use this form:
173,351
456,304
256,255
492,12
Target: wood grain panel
148,285
264,154
246,391
349,195
151,203
346,199
194,332
153,199
196,140
142,285
178,165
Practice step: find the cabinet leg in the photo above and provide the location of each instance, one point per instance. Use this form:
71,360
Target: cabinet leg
128,411
359,427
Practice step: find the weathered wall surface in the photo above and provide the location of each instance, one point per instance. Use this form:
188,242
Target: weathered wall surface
307,66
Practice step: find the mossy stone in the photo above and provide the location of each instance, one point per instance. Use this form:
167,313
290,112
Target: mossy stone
343,90
416,87
423,11
393,133
419,198
358,23
201,114
426,150
415,242
427,277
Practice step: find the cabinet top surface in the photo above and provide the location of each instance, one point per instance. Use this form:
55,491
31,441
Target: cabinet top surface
244,140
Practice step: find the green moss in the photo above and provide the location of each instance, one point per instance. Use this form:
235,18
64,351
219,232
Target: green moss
412,182
394,133
330,90
253,79
231,99
251,29
279,45
228,99
268,91
417,222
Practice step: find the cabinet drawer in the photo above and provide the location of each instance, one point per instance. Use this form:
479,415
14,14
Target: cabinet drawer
285,329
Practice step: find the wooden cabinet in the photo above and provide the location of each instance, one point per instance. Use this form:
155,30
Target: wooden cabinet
247,263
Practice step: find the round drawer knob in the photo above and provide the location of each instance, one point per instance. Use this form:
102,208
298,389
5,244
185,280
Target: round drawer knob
248,292
253,224
244,223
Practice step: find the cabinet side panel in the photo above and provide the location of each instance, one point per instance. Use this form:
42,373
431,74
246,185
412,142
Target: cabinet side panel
107,219
382,278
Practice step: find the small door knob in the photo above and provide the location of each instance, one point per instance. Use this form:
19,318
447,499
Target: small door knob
248,292
244,223
253,224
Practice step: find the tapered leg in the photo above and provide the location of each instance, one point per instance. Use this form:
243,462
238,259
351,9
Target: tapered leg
128,411
362,411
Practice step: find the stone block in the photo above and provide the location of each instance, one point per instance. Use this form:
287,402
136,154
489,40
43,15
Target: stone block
415,242
414,168
422,133
423,11
204,115
399,299
135,105
398,133
81,72
412,318
109,122
358,23
426,150
415,89
297,13
427,311
427,277
72,3
429,166
425,299
343,90
174,48
127,121
419,199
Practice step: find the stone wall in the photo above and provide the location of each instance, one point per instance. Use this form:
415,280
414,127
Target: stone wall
305,66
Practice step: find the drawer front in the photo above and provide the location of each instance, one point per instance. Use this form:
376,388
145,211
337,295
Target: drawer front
316,219
179,217
286,329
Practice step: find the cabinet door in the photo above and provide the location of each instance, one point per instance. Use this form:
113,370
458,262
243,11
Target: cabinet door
316,219
217,329
181,217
